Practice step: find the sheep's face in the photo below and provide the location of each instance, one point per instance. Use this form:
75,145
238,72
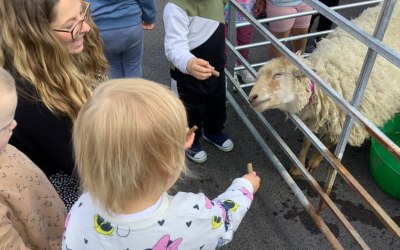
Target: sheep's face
274,86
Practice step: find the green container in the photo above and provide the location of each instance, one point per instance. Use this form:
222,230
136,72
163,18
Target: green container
385,168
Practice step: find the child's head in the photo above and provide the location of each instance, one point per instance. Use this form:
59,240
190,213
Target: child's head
8,104
129,141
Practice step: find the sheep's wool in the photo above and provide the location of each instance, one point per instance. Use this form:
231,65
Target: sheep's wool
338,59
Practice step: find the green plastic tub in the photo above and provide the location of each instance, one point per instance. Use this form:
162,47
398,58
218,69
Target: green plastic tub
385,168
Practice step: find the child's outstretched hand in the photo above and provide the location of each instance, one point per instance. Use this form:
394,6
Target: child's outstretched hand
254,179
199,68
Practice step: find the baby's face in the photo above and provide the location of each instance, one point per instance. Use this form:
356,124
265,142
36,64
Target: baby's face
8,104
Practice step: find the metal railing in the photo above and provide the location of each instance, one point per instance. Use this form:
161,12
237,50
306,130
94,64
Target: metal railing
375,47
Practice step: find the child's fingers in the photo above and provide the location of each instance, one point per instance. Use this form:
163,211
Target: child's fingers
190,136
202,73
202,66
201,69
250,168
192,130
203,63
189,141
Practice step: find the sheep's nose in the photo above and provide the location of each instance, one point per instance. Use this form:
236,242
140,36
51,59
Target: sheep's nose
253,98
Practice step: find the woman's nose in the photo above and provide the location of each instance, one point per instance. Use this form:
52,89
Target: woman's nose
85,27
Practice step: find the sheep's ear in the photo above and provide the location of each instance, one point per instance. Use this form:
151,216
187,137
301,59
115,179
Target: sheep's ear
299,74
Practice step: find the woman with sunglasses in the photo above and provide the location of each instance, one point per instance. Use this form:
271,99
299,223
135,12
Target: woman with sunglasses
54,52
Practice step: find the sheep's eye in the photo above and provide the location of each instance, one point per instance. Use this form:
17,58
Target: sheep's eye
278,74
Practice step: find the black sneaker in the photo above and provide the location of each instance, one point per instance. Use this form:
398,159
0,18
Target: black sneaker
196,153
220,140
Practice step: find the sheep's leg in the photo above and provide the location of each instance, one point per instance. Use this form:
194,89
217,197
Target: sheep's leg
294,171
315,161
317,158
304,150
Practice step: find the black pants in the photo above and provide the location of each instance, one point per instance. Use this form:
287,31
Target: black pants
205,99
324,23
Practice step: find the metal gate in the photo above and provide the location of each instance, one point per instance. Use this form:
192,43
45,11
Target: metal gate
234,89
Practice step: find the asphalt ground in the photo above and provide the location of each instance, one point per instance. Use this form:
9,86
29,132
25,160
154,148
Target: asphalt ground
276,219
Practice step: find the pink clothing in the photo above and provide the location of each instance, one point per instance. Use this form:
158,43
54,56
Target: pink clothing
248,5
243,36
31,212
273,10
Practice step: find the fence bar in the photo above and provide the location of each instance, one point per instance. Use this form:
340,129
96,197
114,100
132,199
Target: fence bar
346,106
240,57
375,46
232,54
348,178
314,184
381,214
311,12
287,39
382,23
333,242
383,50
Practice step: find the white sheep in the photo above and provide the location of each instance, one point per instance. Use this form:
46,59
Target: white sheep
338,60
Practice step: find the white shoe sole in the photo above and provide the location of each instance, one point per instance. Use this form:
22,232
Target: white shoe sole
197,160
218,146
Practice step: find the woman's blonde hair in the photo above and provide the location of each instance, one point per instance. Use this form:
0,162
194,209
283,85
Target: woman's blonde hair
61,80
129,141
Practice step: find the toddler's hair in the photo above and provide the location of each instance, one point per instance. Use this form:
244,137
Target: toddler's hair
129,141
7,83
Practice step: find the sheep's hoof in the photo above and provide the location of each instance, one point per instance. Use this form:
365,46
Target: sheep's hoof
312,166
310,169
295,172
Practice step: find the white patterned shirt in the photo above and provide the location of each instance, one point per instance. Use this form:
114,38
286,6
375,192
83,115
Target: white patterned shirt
183,221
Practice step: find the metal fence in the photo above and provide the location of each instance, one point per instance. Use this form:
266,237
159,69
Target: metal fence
351,108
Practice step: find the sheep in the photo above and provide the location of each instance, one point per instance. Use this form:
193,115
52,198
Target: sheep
338,60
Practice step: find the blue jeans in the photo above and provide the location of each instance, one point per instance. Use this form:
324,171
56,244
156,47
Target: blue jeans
124,51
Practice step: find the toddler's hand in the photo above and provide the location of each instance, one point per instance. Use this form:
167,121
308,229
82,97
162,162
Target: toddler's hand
189,140
254,179
199,68
148,26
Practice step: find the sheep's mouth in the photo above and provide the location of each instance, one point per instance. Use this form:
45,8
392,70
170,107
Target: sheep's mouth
266,104
258,104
